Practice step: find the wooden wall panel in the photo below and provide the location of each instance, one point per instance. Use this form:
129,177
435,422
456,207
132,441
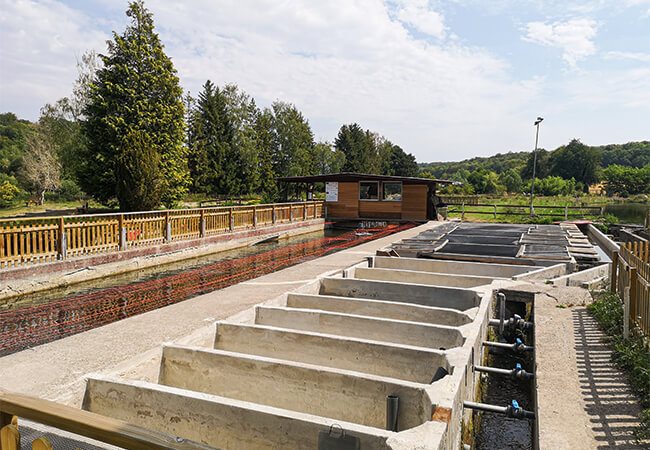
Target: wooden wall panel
414,202
380,210
348,204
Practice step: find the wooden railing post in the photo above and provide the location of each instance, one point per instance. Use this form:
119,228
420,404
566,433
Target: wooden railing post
626,312
202,224
290,213
566,212
254,216
63,244
122,231
633,294
168,228
495,211
275,219
231,219
304,212
614,272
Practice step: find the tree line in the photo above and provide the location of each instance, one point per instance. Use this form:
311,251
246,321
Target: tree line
129,135
569,169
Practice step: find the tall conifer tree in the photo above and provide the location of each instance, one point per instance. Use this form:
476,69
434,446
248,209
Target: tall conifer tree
136,91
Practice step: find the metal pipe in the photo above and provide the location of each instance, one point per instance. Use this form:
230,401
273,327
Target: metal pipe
502,311
518,346
392,408
517,372
514,322
512,410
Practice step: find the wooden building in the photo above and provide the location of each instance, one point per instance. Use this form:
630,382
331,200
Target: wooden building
365,196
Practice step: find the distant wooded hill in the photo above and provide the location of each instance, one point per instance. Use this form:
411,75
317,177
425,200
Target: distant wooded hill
632,154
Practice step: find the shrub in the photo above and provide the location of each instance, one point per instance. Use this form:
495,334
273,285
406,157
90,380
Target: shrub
8,192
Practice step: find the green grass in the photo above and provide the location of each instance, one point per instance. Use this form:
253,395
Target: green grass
628,354
523,204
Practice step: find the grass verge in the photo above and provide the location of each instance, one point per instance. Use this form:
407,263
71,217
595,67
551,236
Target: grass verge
629,354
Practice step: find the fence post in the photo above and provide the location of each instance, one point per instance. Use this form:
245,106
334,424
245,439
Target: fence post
168,228
495,211
626,313
462,216
304,212
275,219
254,216
202,231
63,243
290,213
566,212
633,293
614,270
232,219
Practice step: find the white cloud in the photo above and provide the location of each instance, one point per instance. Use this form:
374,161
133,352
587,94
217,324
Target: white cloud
39,46
573,37
635,56
343,62
418,14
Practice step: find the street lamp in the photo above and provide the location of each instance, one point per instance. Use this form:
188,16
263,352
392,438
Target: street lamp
532,185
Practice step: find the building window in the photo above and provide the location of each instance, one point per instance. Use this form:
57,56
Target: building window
368,190
391,192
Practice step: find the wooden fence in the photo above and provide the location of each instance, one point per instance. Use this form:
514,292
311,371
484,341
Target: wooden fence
43,239
524,210
630,278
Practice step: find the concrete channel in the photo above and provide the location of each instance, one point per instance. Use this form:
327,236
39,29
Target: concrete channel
378,354
331,354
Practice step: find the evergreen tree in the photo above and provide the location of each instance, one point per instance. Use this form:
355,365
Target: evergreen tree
212,167
357,148
242,113
265,144
137,170
135,91
401,164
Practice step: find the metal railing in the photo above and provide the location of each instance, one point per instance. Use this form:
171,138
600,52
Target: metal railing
43,239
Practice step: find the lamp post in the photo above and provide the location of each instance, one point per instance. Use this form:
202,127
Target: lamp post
532,185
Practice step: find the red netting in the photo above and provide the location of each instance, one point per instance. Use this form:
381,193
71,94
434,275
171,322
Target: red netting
34,325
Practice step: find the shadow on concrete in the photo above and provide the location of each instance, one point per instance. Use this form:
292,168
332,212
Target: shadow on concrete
611,405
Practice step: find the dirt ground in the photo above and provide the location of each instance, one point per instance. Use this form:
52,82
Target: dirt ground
584,401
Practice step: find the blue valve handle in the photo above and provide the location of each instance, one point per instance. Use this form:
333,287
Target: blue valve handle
515,405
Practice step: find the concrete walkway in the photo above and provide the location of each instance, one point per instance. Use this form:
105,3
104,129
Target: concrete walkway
584,401
131,348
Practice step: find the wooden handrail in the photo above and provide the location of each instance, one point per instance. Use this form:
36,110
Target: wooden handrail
85,423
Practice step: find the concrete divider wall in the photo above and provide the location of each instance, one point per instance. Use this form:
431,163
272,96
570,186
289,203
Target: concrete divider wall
584,276
543,273
438,296
430,278
326,392
451,267
216,421
387,330
379,308
379,358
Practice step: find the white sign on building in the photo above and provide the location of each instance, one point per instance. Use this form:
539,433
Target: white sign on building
332,191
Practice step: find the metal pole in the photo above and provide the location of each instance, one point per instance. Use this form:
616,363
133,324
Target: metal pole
532,185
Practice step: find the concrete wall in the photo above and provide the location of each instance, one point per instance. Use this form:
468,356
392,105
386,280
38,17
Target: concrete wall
543,273
397,331
326,392
437,296
379,308
216,421
434,279
584,276
372,357
451,267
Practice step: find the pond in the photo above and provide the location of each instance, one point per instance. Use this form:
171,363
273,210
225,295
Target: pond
628,212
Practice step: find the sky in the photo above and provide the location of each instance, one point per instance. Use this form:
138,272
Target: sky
444,80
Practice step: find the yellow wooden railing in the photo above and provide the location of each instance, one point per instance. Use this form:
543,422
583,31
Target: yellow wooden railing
630,277
84,423
44,239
